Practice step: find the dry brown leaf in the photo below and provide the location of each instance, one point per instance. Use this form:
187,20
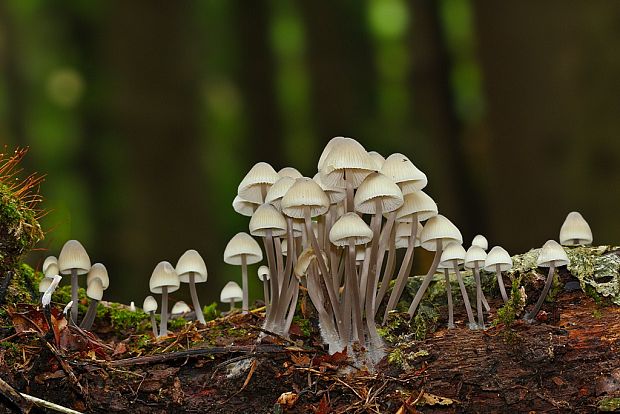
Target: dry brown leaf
287,399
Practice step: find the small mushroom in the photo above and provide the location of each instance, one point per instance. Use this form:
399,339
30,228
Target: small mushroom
243,250
49,260
94,292
164,280
454,255
192,269
179,309
244,207
498,260
132,306
290,172
257,182
73,260
402,171
51,270
480,241
231,293
575,230
263,276
97,272
475,258
150,306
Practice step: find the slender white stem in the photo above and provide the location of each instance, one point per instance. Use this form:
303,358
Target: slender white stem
163,328
532,314
74,296
500,282
479,296
446,274
194,295
427,279
245,307
470,314
357,311
89,318
389,269
266,294
372,272
153,323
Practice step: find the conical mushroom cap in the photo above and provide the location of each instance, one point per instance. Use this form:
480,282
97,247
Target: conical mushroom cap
498,256
377,187
475,255
335,194
51,270
290,172
261,176
305,193
328,147
454,251
95,289
179,308
266,218
263,273
575,230
73,256
552,254
439,228
191,261
278,190
49,260
242,244
231,291
149,305
44,284
403,232
481,242
417,202
98,271
164,275
349,159
402,171
377,159
350,226
244,207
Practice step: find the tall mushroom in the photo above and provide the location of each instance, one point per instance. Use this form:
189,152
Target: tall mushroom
454,256
73,260
552,255
191,268
257,182
401,170
242,250
498,260
164,280
231,293
94,292
575,230
150,306
474,259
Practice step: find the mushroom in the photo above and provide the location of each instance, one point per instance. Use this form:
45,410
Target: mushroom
179,309
231,293
192,269
94,291
242,250
132,306
164,280
454,255
44,284
244,207
498,260
551,255
150,306
475,258
263,276
49,260
377,159
289,172
575,230
278,190
73,260
480,241
256,182
438,232
97,272
51,270
401,170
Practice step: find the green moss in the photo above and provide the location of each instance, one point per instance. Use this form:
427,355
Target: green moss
124,319
304,325
210,312
177,323
24,285
609,404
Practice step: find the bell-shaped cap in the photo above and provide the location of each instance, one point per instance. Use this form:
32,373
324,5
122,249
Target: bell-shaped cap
303,261
231,292
242,244
180,308
258,180
346,159
439,228
191,261
328,147
244,207
267,218
73,256
49,260
164,275
552,254
377,187
45,283
350,227
263,273
453,251
150,304
498,256
377,159
98,271
475,256
278,190
95,289
480,241
335,194
305,193
417,202
402,171
575,230
51,270
403,233
290,172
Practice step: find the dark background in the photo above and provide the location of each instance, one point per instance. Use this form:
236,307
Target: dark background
145,115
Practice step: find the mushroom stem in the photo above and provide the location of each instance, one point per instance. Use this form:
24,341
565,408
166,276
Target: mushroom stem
485,303
266,294
89,318
271,262
277,313
279,271
389,269
427,280
195,302
74,296
292,308
500,282
163,327
232,304
349,206
479,296
372,272
383,240
446,275
355,292
244,283
153,323
470,314
530,316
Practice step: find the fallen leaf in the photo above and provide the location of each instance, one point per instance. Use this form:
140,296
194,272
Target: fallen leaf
120,349
287,399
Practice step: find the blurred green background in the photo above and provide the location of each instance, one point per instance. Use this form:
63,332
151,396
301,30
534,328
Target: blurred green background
145,115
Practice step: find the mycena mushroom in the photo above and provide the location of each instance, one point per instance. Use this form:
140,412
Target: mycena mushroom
150,306
73,260
192,269
474,259
454,255
164,280
498,260
575,230
242,250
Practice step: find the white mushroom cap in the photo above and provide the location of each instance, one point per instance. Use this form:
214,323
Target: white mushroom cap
278,190
242,244
403,232
49,260
498,256
164,275
290,172
266,218
377,186
439,228
191,261
179,308
454,251
263,273
552,254
575,230
303,261
73,256
350,226
377,159
417,202
305,193
328,147
402,171
98,271
335,194
51,270
475,255
480,241
95,289
261,175
45,283
244,207
231,291
347,157
150,304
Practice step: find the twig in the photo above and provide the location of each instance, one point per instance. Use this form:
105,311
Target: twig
15,397
65,366
49,405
